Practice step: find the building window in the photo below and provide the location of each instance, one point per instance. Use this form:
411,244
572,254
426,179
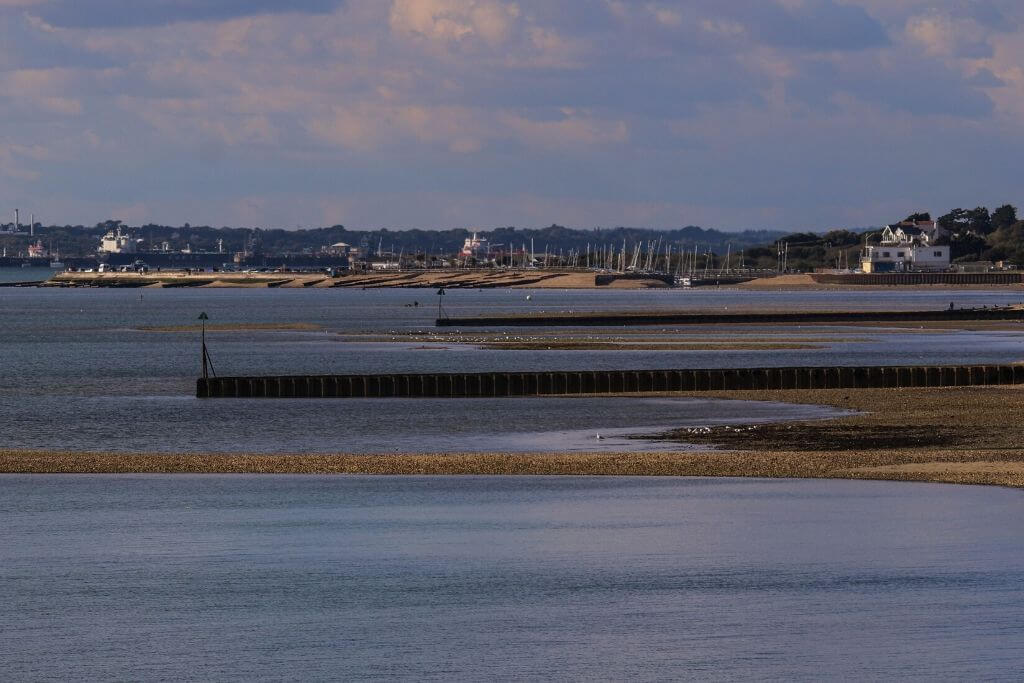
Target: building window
885,254
937,254
900,254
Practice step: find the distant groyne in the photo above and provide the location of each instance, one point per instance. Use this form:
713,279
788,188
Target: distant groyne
580,383
898,279
699,318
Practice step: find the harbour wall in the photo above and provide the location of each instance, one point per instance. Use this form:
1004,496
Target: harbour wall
626,319
892,279
573,383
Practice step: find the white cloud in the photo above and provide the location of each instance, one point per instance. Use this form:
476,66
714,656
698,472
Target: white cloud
473,89
448,21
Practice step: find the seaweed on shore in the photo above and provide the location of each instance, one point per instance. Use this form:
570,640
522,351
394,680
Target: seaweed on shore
822,436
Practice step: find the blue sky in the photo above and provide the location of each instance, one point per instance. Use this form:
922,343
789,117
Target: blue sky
785,114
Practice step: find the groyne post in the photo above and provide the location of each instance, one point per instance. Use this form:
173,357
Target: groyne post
561,383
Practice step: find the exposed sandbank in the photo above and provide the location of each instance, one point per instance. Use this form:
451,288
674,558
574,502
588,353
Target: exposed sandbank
993,467
967,435
454,279
235,327
470,279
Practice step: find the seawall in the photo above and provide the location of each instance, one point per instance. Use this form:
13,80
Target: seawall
573,383
897,279
678,318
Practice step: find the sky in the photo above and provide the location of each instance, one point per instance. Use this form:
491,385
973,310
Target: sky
778,114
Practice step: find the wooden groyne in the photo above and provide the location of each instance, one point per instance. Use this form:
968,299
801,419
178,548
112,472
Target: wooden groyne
35,283
897,279
686,318
578,383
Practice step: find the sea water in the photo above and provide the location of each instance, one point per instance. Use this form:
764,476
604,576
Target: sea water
191,577
313,578
84,368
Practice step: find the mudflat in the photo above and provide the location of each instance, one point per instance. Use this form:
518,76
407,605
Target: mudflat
966,435
466,279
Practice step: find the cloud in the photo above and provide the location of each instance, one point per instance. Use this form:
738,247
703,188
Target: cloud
124,13
455,21
812,25
984,78
778,111
945,36
15,160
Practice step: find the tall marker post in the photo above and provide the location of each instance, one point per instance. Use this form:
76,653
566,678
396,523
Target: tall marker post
203,317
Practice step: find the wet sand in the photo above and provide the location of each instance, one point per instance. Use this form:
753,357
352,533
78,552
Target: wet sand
455,279
966,435
236,327
1001,468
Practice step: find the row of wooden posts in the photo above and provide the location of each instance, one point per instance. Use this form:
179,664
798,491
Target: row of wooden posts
577,383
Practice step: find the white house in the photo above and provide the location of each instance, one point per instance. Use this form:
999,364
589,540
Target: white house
341,249
906,247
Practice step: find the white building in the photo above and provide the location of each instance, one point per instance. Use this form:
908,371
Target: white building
907,247
341,249
37,250
117,242
476,247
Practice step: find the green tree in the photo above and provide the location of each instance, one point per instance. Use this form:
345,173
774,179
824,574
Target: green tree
978,221
975,220
914,217
967,246
1007,243
1004,216
955,221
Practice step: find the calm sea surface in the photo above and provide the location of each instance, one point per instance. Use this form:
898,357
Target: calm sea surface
316,578
81,371
353,578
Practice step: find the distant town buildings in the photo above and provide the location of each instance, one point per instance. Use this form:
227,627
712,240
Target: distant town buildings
37,250
341,249
475,247
118,242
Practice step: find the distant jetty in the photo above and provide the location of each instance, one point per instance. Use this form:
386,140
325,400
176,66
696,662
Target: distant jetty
626,319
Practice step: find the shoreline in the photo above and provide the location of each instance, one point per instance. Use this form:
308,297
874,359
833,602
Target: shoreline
956,435
987,467
467,279
453,279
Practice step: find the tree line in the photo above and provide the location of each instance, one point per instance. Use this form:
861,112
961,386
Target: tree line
978,235
972,234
